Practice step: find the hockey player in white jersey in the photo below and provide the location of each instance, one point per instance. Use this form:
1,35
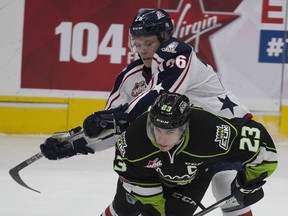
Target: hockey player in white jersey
165,64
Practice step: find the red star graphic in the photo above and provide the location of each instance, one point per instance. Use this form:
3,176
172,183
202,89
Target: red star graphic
194,25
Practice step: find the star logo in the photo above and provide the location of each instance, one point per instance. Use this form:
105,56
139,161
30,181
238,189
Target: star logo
227,104
195,25
158,88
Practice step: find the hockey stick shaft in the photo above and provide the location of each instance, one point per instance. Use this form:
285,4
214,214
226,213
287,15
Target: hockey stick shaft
210,208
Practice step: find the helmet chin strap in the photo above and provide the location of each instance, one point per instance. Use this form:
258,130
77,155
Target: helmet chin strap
181,140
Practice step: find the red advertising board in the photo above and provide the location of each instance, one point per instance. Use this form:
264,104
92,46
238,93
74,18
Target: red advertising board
83,45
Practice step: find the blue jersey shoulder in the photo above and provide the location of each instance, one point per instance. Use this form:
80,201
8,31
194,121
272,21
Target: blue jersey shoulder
173,47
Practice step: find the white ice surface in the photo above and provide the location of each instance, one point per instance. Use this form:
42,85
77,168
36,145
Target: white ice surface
85,185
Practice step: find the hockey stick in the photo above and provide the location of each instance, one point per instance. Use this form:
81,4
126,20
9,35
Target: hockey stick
221,202
14,172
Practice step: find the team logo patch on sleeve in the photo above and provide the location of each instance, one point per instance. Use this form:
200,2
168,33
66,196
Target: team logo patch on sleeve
222,136
121,144
171,47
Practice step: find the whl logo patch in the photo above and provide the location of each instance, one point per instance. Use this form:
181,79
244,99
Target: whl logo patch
154,164
138,88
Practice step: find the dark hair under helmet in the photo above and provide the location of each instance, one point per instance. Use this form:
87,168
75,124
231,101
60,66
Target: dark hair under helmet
170,110
151,22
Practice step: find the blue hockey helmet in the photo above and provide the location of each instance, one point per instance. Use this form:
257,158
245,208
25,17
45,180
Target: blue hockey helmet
152,22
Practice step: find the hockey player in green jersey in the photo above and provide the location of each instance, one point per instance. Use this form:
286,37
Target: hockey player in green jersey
164,158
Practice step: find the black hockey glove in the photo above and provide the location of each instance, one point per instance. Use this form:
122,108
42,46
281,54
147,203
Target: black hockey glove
53,148
115,118
247,193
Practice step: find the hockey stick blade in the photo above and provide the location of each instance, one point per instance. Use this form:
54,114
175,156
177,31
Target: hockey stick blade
14,172
221,202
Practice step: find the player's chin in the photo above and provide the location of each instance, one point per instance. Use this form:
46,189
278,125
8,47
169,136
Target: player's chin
163,148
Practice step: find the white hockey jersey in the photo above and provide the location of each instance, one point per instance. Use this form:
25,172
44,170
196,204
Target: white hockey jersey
175,68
